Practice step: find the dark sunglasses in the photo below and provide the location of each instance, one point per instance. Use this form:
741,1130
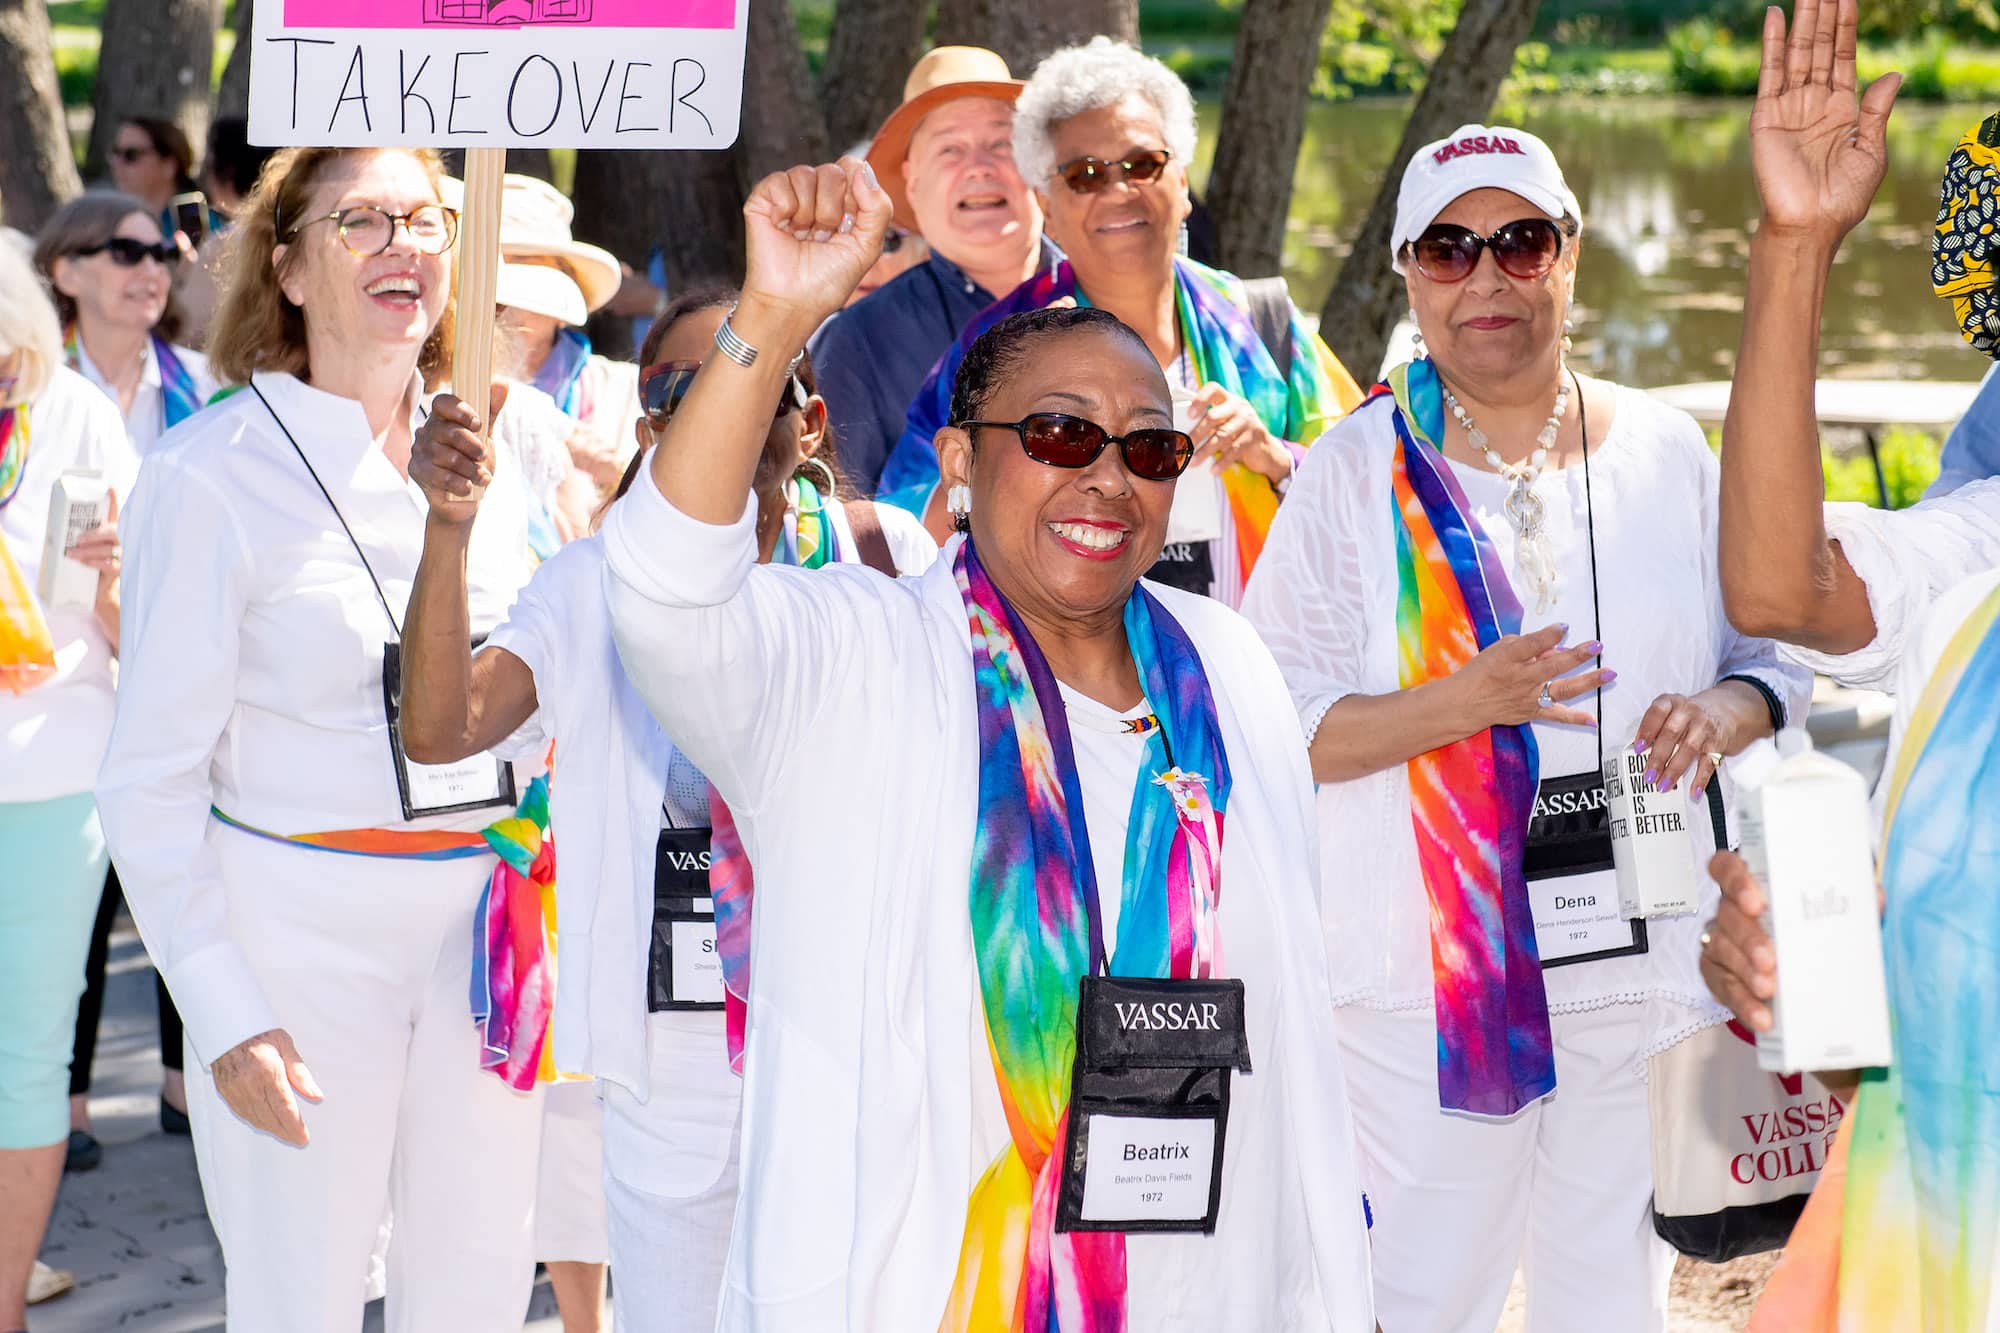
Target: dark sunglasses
1526,249
663,385
892,240
128,155
1060,440
128,253
1088,175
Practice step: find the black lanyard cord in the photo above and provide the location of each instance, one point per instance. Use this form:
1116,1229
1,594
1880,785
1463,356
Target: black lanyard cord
1590,530
342,518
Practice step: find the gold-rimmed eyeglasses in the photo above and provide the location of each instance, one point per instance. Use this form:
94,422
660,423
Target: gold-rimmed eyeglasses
367,231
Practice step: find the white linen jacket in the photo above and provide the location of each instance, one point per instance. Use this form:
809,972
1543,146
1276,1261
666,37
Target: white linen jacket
834,711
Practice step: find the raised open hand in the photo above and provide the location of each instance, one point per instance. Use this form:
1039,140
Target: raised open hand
1818,151
811,233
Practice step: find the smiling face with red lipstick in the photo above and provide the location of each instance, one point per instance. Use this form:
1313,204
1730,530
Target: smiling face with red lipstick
1065,544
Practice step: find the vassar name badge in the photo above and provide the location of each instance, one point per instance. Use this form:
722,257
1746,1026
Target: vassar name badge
476,782
683,971
1571,881
1149,1104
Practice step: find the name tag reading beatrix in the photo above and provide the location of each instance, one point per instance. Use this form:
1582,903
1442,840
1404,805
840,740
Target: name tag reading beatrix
1149,1104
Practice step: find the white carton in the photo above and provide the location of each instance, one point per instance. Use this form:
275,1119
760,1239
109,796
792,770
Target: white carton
1652,849
1805,836
78,502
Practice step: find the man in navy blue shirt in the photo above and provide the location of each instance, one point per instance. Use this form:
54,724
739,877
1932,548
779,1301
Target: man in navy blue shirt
946,158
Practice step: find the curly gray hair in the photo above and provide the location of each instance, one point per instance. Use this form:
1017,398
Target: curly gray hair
1102,73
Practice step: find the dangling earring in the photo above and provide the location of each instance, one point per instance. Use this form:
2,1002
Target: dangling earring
1569,327
959,501
1417,338
1182,246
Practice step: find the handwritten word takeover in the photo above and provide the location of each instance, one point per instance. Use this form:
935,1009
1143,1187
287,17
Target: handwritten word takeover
554,85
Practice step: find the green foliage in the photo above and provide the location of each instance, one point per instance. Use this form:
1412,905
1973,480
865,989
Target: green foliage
1909,466
1707,59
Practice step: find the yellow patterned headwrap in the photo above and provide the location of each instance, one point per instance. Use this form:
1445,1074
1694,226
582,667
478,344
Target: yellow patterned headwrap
1968,233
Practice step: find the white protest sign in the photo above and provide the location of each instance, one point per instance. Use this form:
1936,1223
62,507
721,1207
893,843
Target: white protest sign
498,73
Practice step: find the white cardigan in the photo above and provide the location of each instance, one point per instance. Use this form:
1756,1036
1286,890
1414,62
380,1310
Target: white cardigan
835,713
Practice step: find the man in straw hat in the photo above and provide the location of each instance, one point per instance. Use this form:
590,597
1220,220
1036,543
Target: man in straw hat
946,158
549,283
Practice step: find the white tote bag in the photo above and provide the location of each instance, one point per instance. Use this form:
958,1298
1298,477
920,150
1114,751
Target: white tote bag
1736,1150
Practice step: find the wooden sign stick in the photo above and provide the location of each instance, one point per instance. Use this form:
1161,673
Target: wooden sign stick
478,280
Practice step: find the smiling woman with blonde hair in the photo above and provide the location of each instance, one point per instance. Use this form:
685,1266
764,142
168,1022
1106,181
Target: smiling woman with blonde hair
307,891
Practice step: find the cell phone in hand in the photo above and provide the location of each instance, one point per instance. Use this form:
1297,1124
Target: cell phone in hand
190,215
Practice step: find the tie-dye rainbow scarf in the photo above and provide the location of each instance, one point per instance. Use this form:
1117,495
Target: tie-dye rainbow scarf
1296,402
1037,931
1470,800
14,434
180,398
514,947
731,887
561,375
1923,1173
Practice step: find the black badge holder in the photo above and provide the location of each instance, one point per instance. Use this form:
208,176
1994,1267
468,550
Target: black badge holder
392,697
680,890
1157,1050
1575,837
1189,566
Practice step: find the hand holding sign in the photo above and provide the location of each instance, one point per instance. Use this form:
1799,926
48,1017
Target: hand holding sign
812,233
448,460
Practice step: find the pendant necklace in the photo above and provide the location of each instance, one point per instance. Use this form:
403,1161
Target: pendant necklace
1525,509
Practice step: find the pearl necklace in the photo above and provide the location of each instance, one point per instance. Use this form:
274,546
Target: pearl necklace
1525,509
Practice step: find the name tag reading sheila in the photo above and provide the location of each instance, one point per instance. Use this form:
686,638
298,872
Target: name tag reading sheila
476,782
1149,1104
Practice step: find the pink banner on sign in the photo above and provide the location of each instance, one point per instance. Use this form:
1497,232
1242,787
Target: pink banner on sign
509,13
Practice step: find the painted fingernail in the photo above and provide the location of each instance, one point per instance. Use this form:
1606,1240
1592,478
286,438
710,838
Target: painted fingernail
1651,777
821,234
1594,648
1638,747
1610,676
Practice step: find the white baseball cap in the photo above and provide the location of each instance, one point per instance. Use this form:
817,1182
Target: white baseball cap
1477,157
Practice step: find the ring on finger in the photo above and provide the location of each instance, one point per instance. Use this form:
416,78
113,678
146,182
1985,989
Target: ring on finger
1714,758
1547,700
1707,938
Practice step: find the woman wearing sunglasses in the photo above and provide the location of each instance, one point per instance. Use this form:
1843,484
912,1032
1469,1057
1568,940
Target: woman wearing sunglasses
1489,578
1105,135
1014,799
111,271
638,1004
308,891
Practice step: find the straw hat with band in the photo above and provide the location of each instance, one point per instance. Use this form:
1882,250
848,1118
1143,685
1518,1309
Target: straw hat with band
534,226
1966,244
945,74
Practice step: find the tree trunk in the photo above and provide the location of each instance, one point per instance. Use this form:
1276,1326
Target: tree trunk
1263,121
232,97
871,47
1362,309
37,171
687,203
157,59
1024,33
782,124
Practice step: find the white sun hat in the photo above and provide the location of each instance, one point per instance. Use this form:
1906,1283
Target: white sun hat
1477,157
535,226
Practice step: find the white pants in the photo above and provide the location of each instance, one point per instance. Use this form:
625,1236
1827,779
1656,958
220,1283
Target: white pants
670,1182
570,1225
368,964
1563,1188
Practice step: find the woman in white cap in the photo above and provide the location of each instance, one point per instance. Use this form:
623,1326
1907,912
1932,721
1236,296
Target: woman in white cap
549,284
1441,590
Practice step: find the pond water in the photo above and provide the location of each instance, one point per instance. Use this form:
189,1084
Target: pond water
1667,196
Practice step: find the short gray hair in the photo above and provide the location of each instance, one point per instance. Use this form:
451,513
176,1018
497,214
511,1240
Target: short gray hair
1102,73
28,322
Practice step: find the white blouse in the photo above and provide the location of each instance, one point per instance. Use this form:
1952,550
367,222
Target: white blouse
253,644
1324,596
613,764
834,710
52,737
147,421
1908,558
